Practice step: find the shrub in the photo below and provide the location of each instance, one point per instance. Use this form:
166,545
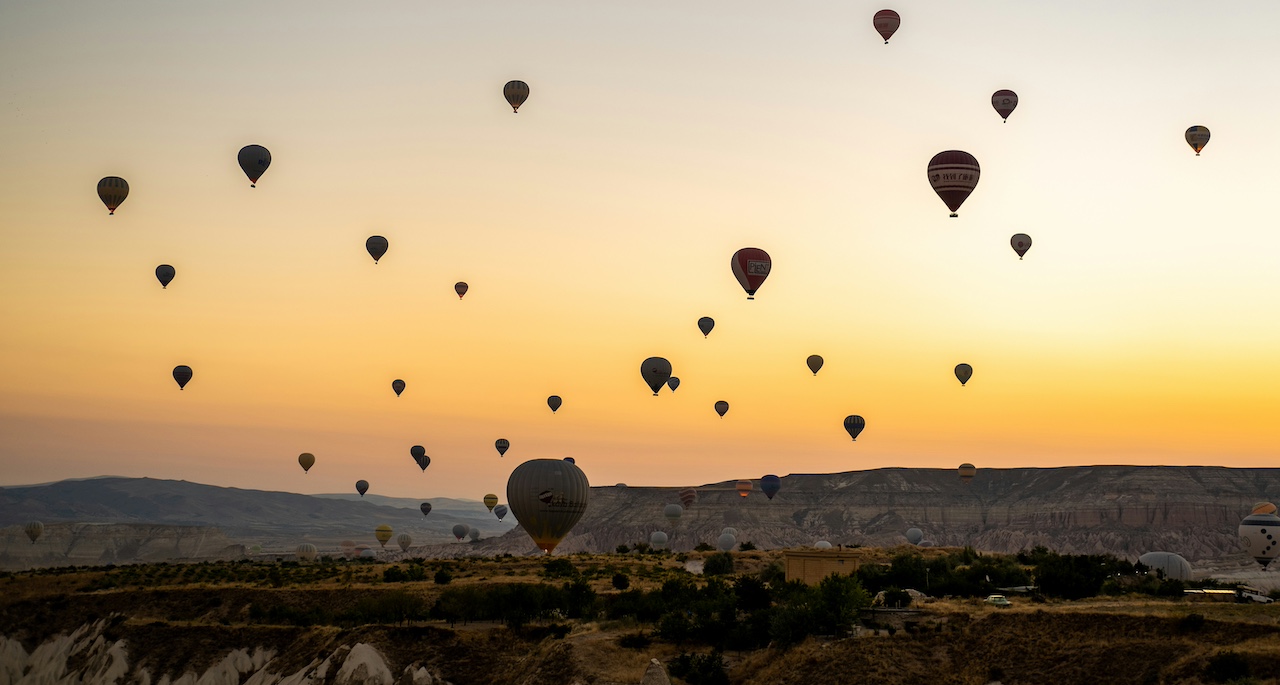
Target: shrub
1226,666
622,549
894,597
675,627
559,568
443,577
747,547
704,547
700,669
621,581
1191,623
719,564
636,640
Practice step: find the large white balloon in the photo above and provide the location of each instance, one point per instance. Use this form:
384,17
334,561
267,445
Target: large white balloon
1258,533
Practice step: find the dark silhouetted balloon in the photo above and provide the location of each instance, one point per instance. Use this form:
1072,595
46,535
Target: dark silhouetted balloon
502,445
112,190
725,542
500,511
967,471
548,497
953,175
362,486
673,383
656,371
914,535
814,362
425,507
491,501
744,488
182,374
658,540
516,92
854,425
398,386
33,529
1021,242
1197,138
419,454
672,512
770,485
705,324
571,460
963,373
886,23
721,408
306,460
751,266
461,288
377,246
165,274
254,160
1005,101
474,534
554,402
460,530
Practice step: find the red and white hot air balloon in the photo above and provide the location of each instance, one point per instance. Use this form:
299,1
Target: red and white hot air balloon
751,266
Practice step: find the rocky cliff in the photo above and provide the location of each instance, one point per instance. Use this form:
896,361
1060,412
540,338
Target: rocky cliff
88,544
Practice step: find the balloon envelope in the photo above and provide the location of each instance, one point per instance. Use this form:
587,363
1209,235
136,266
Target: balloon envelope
967,471
377,246
705,324
112,190
460,530
1173,566
672,512
673,383
502,445
500,511
1259,534
1197,138
548,497
814,362
1005,101
398,386
554,402
367,553
362,486
474,534
731,531
404,540
722,407
461,288
165,274
419,454
1021,242
306,551
744,488
516,92
658,540
688,497
306,460
854,425
382,533
886,23
425,507
953,175
182,374
770,485
751,266
655,371
822,544
1263,508
491,501
963,373
254,160
33,529
915,535
725,542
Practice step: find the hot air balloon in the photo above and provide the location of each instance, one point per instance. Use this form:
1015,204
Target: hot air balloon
460,530
620,487
182,374
461,288
731,531
500,511
382,533
1258,536
377,246
367,553
814,362
854,425
672,512
726,542
886,22
112,190
165,274
306,552
516,92
770,485
953,175
348,548
705,324
688,497
491,501
1021,242
404,540
721,408
744,488
751,266
1197,138
571,460
658,540
1172,566
655,371
398,386
425,507
33,529
548,496
362,486
502,445
254,160
967,471
673,383
419,454
554,402
963,373
474,534
1005,101
822,544
915,535
1263,508
306,460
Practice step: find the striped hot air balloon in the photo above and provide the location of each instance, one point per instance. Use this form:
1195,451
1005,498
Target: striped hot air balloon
113,190
1005,101
953,175
516,92
886,23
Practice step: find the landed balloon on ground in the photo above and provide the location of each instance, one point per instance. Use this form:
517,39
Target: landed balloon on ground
254,160
367,553
822,544
1005,101
1259,534
886,23
362,486
1021,242
165,274
1197,138
398,386
672,512
1171,566
673,383
502,445
461,288
751,266
306,460
516,92
914,535
548,497
953,175
33,529
658,540
722,408
500,511
112,190
963,373
491,501
770,485
382,533
655,371
967,471
705,324
814,362
554,402
425,507
377,246
182,374
460,530
419,454
306,552
726,542
854,425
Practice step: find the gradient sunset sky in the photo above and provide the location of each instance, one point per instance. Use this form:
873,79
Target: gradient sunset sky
596,226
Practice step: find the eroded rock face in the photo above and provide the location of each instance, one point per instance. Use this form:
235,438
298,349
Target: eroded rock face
87,544
655,674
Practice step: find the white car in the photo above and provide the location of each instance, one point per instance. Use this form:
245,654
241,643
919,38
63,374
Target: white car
997,600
